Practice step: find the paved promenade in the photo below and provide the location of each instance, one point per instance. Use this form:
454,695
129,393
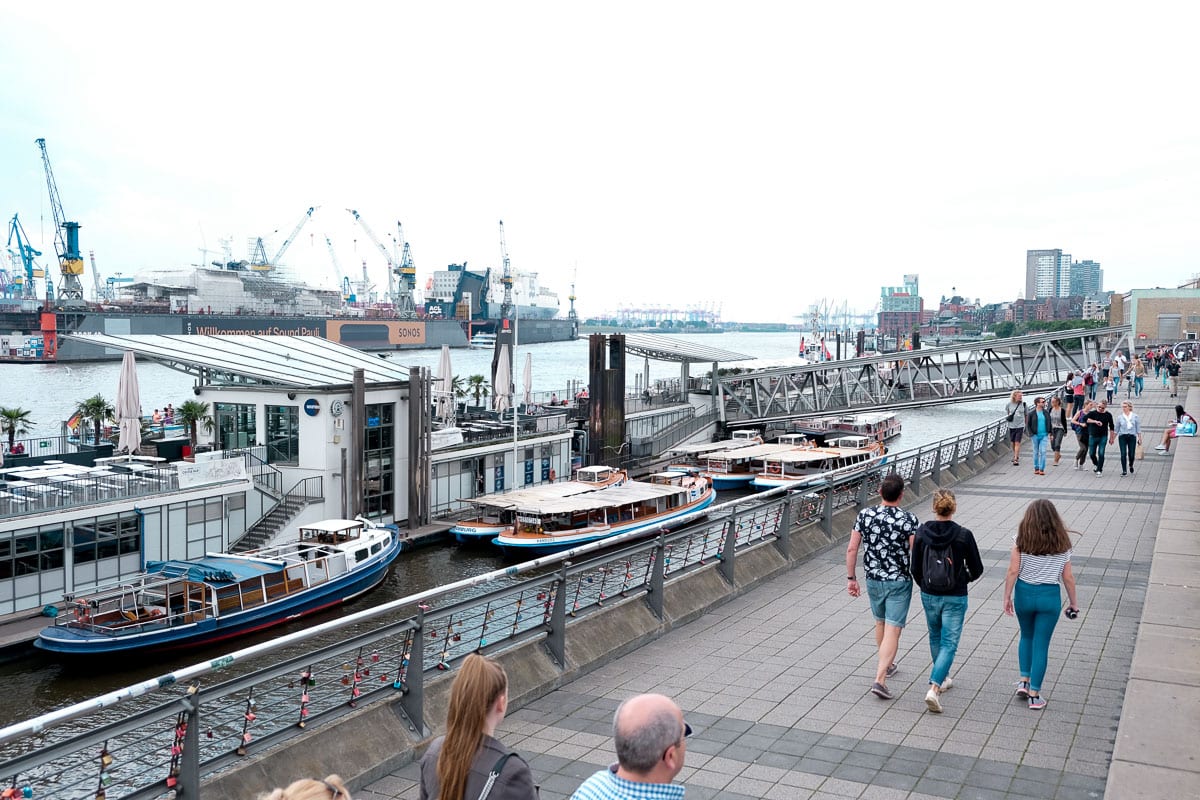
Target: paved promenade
776,681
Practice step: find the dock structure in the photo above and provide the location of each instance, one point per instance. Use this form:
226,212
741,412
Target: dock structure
776,681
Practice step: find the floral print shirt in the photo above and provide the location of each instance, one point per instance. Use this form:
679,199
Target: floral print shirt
885,531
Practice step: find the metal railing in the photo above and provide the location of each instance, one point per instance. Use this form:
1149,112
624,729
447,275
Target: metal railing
146,738
26,497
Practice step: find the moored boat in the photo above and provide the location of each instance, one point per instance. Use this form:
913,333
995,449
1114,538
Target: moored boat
559,524
185,603
804,466
496,511
691,457
735,468
879,426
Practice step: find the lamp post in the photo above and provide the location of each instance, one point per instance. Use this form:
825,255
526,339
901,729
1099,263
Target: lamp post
513,383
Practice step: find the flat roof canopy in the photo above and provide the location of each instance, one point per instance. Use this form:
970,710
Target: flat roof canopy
300,362
672,348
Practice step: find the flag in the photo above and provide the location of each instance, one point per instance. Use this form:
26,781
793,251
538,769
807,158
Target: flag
801,345
73,422
828,355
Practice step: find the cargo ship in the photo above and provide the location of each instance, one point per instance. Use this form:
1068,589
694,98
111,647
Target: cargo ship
204,300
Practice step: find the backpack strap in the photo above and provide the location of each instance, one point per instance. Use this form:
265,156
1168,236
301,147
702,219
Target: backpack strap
494,774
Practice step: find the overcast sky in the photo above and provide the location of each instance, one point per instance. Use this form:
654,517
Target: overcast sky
759,157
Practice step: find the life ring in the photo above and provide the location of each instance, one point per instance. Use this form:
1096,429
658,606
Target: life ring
82,612
552,475
774,468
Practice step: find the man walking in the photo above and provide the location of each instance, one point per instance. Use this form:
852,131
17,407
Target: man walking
885,532
1173,370
651,741
1102,431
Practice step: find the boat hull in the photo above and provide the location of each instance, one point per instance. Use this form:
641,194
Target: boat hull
71,641
725,482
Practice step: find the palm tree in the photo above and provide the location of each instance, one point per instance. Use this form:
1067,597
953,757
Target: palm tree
192,413
457,386
98,411
15,422
477,387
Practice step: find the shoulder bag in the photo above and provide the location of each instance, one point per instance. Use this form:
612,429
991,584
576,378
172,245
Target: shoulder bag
494,774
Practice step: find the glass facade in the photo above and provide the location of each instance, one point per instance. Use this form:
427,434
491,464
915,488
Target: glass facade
236,425
379,443
283,434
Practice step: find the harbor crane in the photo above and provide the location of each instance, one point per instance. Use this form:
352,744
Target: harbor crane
506,279
402,296
341,278
66,241
258,248
26,254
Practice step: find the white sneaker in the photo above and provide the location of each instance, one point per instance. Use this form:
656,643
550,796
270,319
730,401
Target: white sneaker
932,702
947,684
1160,447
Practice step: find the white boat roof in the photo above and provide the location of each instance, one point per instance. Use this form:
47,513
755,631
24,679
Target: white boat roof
710,447
332,525
819,454
867,416
633,492
755,451
545,491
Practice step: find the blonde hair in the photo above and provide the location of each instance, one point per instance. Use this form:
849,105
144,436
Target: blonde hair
1012,398
332,788
944,504
478,683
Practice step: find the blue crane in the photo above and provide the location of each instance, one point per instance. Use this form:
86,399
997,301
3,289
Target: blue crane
403,295
66,241
26,254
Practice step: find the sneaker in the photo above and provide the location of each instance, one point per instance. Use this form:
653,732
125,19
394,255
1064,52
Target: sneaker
1037,703
1022,688
1164,452
1122,474
892,670
932,701
881,691
1078,467
1160,447
947,684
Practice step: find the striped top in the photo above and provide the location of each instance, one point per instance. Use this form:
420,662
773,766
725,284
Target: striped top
1043,569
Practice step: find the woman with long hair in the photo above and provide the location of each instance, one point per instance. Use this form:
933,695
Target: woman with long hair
1015,411
1181,418
332,788
1041,558
459,765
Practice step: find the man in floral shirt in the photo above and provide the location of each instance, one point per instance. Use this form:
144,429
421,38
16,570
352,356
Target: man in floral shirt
887,532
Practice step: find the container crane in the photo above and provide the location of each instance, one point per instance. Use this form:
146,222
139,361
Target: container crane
506,279
66,241
403,296
26,254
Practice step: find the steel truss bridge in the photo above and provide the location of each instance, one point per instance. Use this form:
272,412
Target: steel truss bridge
909,379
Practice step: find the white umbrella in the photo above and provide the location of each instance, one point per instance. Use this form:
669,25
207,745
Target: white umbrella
502,382
445,396
129,405
527,396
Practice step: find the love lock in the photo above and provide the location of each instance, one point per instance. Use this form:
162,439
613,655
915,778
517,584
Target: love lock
374,657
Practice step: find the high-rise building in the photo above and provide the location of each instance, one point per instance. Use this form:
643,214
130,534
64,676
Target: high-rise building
1086,278
900,309
1047,274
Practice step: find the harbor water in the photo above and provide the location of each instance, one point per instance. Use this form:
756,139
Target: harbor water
36,683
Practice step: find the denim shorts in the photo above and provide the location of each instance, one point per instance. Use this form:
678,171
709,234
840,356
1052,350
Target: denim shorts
889,600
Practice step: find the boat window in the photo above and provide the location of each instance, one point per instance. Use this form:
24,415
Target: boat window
375,548
361,555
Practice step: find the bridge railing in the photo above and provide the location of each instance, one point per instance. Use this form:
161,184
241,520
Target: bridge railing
158,736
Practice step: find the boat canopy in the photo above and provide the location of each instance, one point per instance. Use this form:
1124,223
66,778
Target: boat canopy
756,451
212,570
612,497
711,447
546,491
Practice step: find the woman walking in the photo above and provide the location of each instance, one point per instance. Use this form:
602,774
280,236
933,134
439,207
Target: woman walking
1129,434
1058,427
1015,411
1040,559
1038,424
460,764
945,559
1079,426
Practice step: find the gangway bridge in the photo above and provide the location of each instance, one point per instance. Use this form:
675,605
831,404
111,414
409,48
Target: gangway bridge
909,379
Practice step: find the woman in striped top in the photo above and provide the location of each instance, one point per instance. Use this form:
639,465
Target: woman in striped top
1040,558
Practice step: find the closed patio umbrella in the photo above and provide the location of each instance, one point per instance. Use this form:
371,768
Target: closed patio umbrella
445,396
502,382
129,406
527,395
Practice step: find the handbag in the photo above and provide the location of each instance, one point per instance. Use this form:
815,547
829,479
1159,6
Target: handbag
1140,452
495,773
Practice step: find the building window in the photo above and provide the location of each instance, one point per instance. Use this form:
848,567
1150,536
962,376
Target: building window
379,444
105,537
236,425
283,434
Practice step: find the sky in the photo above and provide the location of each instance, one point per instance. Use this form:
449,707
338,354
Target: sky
752,158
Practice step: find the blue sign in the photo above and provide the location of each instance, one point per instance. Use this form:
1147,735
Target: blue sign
545,469
499,482
312,407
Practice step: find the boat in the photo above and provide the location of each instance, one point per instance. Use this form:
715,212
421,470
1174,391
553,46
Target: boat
735,468
879,426
690,457
554,524
805,465
485,339
496,511
174,604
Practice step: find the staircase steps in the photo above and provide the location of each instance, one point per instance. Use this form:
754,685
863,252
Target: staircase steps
269,526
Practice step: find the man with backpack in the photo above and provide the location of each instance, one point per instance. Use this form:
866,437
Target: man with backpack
945,559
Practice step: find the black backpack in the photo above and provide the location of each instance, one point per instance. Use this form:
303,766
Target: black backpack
939,567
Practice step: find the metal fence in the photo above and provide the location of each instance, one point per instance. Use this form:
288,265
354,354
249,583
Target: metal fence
156,737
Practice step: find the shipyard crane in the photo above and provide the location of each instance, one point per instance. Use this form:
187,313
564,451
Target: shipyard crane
506,279
402,296
96,278
292,236
407,272
26,254
66,241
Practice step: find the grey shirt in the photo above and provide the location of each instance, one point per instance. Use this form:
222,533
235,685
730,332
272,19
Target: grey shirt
514,783
1016,413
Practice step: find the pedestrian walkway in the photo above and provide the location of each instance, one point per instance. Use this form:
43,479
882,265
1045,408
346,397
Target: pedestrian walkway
775,682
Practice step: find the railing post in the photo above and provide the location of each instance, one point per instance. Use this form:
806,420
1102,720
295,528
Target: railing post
783,534
557,640
936,473
413,698
658,573
861,500
727,557
189,764
916,473
827,511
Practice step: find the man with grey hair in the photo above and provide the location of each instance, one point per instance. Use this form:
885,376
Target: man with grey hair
650,735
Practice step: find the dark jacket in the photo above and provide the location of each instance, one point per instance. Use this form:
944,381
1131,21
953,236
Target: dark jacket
1031,424
515,781
939,533
1100,423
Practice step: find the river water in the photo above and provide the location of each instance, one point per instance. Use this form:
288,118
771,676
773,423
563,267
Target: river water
36,683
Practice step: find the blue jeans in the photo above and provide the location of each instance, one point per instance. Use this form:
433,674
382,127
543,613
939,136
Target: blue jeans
1040,442
1139,383
944,614
1096,446
1037,606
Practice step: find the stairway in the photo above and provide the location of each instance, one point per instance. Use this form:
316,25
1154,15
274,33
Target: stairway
262,532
